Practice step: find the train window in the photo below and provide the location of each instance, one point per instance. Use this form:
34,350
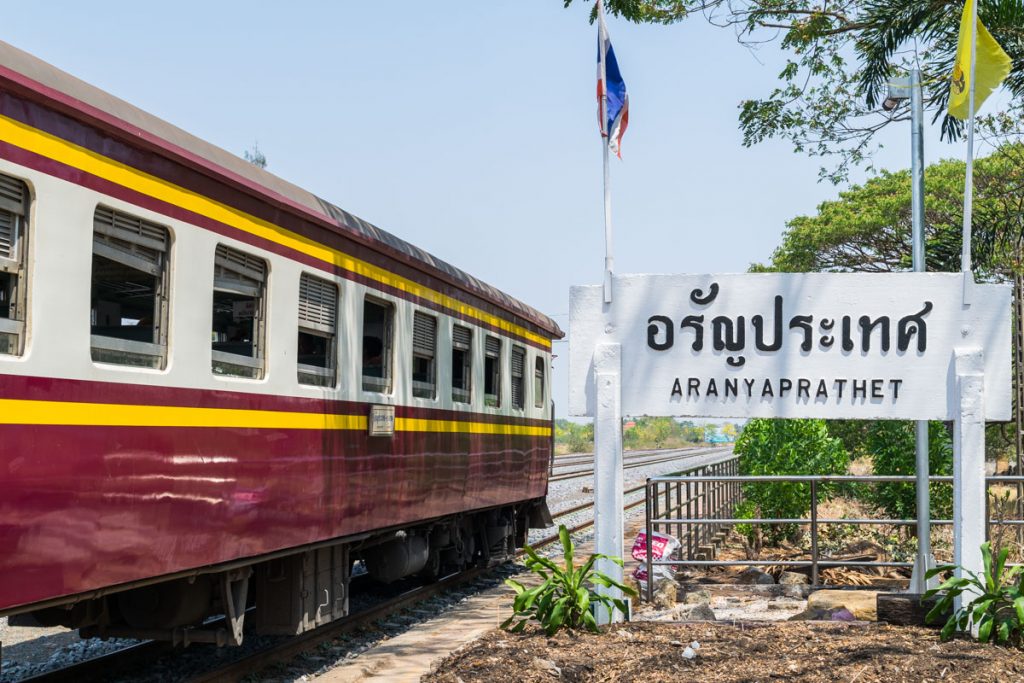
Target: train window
538,382
462,363
492,372
518,377
378,332
239,318
14,198
318,319
129,290
424,348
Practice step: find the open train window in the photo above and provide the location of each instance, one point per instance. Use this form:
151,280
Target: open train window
518,377
129,290
239,317
538,382
424,349
492,372
14,199
378,326
318,320
462,363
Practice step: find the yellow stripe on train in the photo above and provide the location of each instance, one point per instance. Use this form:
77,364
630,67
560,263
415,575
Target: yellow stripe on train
67,413
58,149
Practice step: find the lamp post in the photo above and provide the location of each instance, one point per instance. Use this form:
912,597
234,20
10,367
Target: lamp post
899,90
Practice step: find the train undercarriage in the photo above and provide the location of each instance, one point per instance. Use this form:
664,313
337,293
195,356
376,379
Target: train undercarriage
293,592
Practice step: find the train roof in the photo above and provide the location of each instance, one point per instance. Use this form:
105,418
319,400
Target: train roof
141,128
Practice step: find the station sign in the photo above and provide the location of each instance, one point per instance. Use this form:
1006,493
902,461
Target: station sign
824,345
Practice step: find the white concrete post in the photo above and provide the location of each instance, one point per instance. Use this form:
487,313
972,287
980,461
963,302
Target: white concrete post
608,496
969,462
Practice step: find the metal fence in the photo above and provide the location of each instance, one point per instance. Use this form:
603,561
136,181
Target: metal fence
698,504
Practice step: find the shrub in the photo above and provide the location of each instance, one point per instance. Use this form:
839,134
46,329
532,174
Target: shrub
892,446
997,609
777,447
564,598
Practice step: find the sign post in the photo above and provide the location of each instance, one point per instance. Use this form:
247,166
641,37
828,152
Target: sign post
608,486
893,346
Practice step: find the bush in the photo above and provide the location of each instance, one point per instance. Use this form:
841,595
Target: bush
564,598
893,452
998,608
778,447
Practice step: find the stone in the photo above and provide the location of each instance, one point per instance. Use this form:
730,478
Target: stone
754,576
700,612
546,666
824,614
862,604
666,593
793,579
697,597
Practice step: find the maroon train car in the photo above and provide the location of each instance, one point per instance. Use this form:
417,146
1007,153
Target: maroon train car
219,390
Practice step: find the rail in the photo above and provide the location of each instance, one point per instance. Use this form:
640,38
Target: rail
699,503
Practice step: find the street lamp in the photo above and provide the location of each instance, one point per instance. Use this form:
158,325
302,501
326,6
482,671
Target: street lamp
902,89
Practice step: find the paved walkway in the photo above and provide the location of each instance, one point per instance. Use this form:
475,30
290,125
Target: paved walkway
407,657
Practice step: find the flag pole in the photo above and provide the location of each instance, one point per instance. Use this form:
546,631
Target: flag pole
609,259
965,255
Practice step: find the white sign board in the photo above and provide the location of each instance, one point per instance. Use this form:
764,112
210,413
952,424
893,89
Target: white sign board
829,345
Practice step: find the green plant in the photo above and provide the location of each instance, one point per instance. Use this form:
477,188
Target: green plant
778,447
891,445
564,597
997,609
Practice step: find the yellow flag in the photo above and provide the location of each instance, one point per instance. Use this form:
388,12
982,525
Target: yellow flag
992,67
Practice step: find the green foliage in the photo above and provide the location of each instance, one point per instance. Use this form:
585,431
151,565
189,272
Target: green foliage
840,57
868,228
892,445
565,596
776,447
574,437
997,608
853,434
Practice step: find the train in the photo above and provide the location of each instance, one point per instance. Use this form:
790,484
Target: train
223,396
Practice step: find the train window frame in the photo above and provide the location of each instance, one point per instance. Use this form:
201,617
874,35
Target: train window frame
317,326
239,276
15,213
492,371
424,355
129,252
539,380
517,361
379,384
462,363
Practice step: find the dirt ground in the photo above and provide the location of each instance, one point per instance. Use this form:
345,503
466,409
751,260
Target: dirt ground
807,652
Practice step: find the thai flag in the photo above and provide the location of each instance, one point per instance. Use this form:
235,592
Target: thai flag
609,82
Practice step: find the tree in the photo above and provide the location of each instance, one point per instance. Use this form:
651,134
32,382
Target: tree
255,157
868,228
729,431
772,447
840,57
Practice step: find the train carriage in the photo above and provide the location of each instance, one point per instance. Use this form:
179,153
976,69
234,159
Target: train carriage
218,390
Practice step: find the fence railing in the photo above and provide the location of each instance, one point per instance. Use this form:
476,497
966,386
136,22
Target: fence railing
697,504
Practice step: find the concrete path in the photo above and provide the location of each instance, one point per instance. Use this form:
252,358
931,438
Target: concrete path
407,657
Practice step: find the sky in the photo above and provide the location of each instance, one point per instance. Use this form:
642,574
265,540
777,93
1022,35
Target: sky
470,128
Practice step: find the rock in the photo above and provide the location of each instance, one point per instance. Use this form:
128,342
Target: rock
546,666
700,612
754,576
666,592
862,604
793,579
697,597
823,614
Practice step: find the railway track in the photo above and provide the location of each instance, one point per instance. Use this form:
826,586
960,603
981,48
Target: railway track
643,459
